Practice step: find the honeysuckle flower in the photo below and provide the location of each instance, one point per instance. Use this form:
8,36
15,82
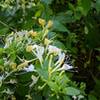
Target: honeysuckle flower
34,80
74,97
39,50
22,33
22,65
30,68
65,67
8,42
61,57
25,63
59,62
53,49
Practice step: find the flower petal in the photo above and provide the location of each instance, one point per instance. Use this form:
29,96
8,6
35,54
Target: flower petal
30,68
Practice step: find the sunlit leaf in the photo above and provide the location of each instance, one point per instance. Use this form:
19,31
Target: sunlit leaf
72,91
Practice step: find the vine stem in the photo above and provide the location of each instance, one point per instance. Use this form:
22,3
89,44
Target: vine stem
7,26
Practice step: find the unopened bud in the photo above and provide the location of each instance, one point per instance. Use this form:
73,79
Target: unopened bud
42,22
22,65
50,24
13,65
47,41
32,33
29,48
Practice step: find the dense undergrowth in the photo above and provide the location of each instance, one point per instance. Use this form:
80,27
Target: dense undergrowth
50,49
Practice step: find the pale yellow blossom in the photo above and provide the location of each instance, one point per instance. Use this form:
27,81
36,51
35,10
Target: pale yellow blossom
29,48
47,41
42,22
32,33
50,24
13,65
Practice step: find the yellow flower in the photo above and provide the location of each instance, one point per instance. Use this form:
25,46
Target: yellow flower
50,24
32,33
42,22
47,41
29,48
22,65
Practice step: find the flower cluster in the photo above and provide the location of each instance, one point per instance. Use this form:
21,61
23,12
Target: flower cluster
40,51
34,54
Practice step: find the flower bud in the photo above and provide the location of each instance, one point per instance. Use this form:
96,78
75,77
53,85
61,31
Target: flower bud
47,41
32,33
42,22
29,48
22,65
50,24
13,65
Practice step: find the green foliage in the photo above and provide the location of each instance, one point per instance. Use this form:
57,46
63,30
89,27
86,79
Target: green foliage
75,29
43,73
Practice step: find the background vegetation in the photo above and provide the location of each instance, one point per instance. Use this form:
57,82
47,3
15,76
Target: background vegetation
76,28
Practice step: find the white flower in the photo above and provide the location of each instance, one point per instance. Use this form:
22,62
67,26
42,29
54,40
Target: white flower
61,58
30,68
8,42
53,49
39,50
34,80
22,33
74,97
65,67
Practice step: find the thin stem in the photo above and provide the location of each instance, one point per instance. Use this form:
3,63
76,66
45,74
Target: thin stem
7,26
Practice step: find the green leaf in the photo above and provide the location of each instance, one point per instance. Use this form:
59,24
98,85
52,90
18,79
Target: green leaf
21,90
23,77
4,30
54,86
43,72
1,51
85,6
36,96
65,17
1,61
38,13
66,98
59,44
97,5
59,26
72,91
